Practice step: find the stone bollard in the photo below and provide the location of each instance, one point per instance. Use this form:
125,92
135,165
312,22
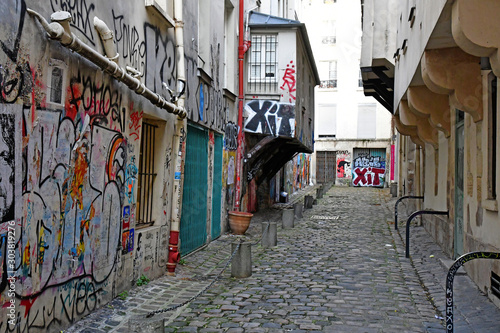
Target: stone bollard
141,324
269,234
319,193
241,265
308,202
287,218
298,207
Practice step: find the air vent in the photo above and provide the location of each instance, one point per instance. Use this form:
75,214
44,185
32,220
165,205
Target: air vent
495,284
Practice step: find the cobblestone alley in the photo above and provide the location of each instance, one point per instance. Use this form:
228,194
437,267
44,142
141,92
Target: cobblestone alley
340,269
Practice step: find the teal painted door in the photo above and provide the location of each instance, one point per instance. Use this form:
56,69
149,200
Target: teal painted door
193,233
217,188
459,186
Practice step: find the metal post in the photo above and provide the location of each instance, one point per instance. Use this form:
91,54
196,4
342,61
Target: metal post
412,216
396,207
451,275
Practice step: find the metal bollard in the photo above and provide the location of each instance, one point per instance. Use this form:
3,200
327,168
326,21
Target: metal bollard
308,202
287,219
319,193
241,265
269,234
297,208
141,324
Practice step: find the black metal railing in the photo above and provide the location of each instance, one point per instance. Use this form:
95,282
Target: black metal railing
451,275
396,207
412,216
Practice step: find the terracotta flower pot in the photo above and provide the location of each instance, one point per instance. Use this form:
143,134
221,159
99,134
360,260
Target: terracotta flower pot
239,222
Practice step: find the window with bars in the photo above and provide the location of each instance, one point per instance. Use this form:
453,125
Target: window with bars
263,64
331,68
146,175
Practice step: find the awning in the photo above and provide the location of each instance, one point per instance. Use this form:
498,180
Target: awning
268,154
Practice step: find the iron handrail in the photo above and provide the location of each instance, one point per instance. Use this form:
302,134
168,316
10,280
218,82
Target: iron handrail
451,275
412,216
396,207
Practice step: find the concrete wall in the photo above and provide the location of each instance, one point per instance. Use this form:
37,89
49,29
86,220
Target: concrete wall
428,13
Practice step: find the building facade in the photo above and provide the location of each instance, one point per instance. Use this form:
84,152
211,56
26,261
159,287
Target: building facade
443,67
352,131
279,103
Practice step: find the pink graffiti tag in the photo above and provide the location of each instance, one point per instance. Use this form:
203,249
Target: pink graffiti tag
135,120
289,80
365,175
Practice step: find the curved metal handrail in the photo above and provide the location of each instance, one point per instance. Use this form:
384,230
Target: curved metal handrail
412,216
396,207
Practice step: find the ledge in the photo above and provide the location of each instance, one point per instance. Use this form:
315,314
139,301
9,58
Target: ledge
490,204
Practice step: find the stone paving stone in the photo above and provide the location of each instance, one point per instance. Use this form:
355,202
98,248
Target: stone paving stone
344,275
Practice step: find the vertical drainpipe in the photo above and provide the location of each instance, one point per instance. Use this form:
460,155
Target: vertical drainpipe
242,48
417,185
179,142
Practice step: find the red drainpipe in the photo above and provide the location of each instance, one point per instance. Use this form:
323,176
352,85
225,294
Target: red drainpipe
243,46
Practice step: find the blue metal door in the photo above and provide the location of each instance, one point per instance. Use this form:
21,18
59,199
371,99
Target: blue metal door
217,188
193,229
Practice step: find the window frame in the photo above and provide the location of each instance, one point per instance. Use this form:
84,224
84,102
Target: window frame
263,64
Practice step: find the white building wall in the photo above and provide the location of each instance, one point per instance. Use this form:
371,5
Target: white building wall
347,97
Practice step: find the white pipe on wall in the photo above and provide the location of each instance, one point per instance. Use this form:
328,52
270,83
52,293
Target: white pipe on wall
60,31
178,145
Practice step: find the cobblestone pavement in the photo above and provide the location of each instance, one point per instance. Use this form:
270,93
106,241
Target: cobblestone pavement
342,268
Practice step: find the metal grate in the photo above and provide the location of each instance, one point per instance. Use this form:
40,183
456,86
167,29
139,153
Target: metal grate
146,176
495,284
263,73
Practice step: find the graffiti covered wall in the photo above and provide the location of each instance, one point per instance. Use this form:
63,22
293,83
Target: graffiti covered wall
69,193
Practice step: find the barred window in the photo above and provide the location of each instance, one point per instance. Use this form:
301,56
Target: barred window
263,62
146,175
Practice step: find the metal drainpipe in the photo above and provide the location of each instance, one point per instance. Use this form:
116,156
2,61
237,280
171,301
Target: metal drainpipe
107,39
178,144
418,178
60,30
243,46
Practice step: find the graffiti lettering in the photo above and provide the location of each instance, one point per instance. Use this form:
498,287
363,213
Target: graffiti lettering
135,120
366,160
368,176
231,136
270,117
12,50
130,45
99,100
80,14
160,59
289,82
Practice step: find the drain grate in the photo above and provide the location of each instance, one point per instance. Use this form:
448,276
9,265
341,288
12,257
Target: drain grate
495,284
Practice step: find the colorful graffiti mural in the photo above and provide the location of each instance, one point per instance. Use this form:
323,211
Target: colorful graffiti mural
343,164
368,170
